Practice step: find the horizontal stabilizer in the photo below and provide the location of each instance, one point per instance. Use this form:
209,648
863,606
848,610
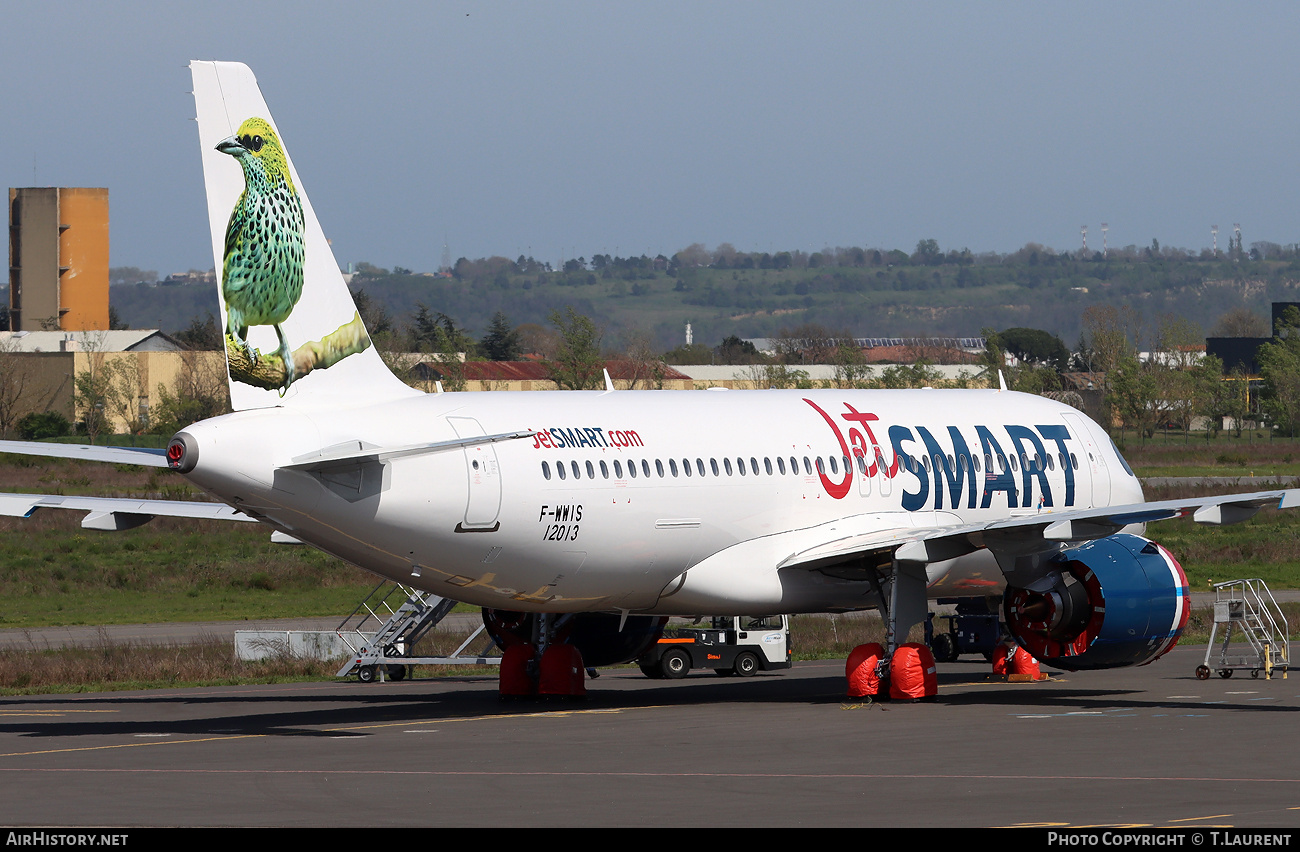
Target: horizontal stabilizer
354,452
117,513
116,455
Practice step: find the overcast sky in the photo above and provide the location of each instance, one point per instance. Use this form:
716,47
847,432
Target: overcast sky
570,128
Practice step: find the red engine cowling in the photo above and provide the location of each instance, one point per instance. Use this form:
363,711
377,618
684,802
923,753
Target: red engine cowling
595,634
1117,601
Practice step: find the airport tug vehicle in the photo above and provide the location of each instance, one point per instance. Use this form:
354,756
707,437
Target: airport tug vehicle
730,645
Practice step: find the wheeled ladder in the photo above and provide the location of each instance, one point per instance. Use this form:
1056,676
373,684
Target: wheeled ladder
1247,606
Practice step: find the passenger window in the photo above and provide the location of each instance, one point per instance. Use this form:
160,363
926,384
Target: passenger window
1013,463
631,469
807,466
604,470
591,471
713,463
577,474
618,469
821,466
672,466
645,468
699,465
1074,461
835,468
726,463
659,467
780,464
862,465
925,462
546,470
740,466
767,465
559,468
753,465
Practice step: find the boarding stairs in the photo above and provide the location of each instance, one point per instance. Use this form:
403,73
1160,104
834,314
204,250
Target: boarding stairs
1248,607
387,624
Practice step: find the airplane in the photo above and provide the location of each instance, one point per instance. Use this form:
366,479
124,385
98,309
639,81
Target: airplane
608,511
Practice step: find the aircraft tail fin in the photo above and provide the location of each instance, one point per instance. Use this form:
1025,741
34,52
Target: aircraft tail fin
291,328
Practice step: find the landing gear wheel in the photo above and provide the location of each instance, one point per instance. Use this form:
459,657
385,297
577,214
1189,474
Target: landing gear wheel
1254,673
1225,673
366,674
944,647
746,664
675,664
1202,672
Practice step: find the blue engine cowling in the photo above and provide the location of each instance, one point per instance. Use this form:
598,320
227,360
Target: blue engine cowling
1117,601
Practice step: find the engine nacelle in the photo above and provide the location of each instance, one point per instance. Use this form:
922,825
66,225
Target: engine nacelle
1117,601
595,634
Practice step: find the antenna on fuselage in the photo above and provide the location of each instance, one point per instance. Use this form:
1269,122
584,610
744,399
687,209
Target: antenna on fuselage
1002,381
609,383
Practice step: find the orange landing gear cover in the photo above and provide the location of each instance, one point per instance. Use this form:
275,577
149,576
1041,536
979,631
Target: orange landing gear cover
514,680
1009,659
562,672
912,673
860,669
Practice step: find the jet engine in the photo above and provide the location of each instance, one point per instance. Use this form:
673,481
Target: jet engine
595,634
1117,601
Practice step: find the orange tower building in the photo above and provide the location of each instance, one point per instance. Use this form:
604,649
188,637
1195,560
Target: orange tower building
58,258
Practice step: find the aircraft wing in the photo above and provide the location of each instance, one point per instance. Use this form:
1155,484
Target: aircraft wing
116,455
117,513
1041,531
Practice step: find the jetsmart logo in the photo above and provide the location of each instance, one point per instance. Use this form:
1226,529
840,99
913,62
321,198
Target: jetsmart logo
942,470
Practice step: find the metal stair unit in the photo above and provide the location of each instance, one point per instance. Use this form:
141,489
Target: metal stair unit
401,616
1249,607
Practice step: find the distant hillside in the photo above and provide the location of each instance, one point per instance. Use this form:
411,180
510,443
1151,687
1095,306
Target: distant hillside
883,295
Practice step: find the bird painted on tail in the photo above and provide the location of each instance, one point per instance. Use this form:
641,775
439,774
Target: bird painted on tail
261,275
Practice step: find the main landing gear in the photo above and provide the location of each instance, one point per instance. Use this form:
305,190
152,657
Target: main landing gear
545,667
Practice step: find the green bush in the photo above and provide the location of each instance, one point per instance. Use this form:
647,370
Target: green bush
38,426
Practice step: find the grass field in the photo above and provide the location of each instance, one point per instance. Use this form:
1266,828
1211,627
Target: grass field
1253,454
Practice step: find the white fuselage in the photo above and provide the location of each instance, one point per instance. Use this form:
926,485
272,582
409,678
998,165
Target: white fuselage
727,484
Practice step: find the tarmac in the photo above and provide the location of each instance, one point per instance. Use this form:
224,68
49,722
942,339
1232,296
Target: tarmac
1145,746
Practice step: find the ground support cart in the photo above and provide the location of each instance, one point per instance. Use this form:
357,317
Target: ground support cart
1248,607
